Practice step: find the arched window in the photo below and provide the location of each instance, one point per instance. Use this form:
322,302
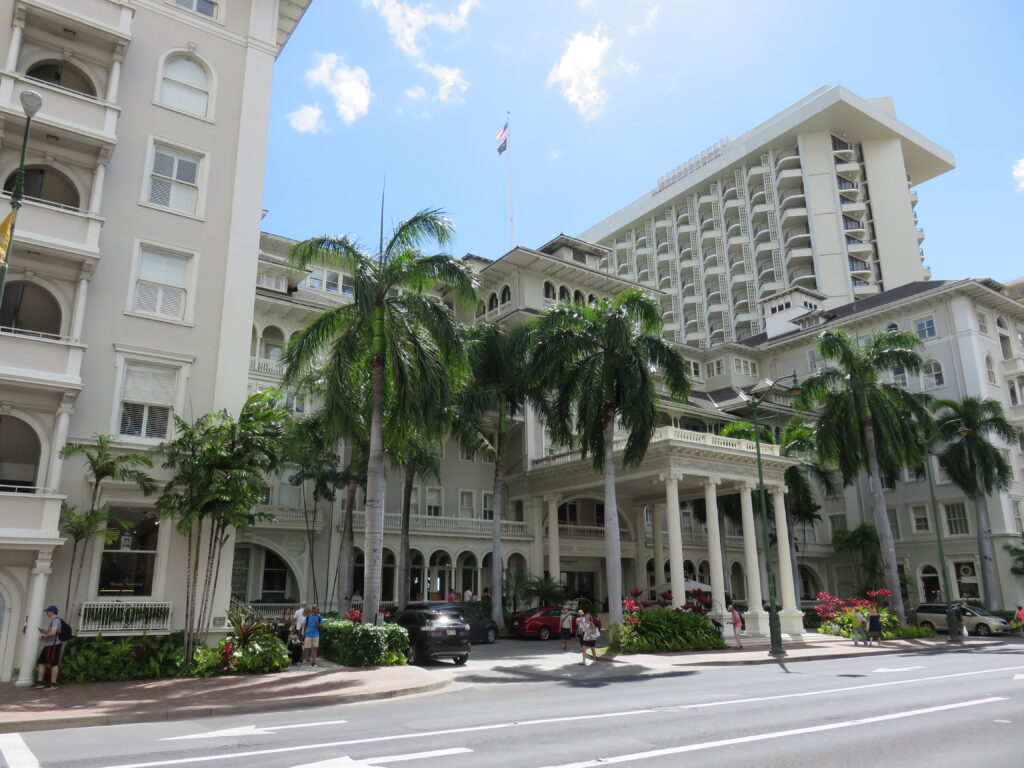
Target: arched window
492,302
591,299
28,307
577,297
1001,323
64,75
892,327
273,343
46,185
185,85
990,369
1020,439
549,291
506,294
1013,394
563,294
20,454
932,374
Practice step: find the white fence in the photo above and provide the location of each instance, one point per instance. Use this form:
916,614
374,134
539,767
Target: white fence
124,618
441,524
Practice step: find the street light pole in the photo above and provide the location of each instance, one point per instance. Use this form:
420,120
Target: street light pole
951,617
31,102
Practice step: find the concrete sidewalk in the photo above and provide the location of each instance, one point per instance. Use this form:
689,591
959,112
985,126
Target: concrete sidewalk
138,701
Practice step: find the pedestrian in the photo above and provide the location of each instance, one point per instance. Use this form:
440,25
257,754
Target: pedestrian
486,595
737,624
1020,619
300,620
874,627
565,624
960,628
50,653
452,597
588,639
467,595
312,641
283,626
580,615
859,626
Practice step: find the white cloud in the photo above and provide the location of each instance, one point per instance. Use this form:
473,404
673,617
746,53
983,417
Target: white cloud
649,18
1018,174
405,22
349,86
416,93
625,65
580,70
450,82
307,119
585,3
554,154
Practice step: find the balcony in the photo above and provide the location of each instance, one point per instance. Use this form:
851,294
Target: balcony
787,158
54,226
109,18
1014,366
87,117
792,196
920,235
854,226
857,266
800,255
790,175
804,277
849,171
758,196
593,532
43,359
27,512
266,367
446,526
133,617
293,518
795,237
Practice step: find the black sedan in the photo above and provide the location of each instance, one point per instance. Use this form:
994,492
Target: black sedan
481,628
434,635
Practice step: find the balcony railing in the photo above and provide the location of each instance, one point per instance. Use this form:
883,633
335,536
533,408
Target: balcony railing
288,517
124,618
446,525
262,365
589,532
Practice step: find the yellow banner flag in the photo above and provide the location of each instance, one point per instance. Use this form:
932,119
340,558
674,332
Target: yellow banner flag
5,236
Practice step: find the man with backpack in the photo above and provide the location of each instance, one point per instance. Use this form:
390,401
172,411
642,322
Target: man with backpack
54,635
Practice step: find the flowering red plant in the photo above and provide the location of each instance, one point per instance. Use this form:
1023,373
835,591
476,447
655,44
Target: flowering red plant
227,657
354,615
635,592
631,605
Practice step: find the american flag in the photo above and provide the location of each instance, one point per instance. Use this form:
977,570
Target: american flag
502,138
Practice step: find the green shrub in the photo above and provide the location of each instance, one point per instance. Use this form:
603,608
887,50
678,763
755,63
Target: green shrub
353,644
657,630
842,624
911,632
100,659
1008,615
229,656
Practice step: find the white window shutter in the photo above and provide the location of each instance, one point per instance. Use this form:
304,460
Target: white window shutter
172,302
147,296
149,384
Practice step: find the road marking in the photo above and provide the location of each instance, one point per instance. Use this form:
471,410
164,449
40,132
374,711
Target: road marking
16,752
775,735
1018,677
554,720
351,762
894,669
250,730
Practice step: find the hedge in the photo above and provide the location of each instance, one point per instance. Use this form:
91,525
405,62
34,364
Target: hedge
353,644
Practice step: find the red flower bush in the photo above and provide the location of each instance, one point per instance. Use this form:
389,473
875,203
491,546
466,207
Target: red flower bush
354,615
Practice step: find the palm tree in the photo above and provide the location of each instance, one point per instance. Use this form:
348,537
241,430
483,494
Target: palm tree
500,382
404,341
861,543
977,467
866,424
545,590
600,362
101,464
416,459
82,527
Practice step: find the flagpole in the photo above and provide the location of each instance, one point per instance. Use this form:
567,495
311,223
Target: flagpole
511,218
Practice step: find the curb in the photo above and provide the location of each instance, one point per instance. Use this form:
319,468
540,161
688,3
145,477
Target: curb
55,721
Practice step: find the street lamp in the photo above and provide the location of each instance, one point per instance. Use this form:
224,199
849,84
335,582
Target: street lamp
31,103
774,627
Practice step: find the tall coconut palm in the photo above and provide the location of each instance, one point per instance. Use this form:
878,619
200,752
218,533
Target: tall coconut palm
600,361
416,459
976,466
865,423
405,341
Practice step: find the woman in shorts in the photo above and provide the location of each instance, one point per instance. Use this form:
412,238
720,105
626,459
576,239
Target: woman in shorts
588,637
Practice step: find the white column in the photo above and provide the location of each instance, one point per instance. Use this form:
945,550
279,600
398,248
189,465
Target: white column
96,194
30,637
791,617
675,541
78,314
756,618
115,79
15,48
554,554
643,554
715,550
534,511
60,437
658,521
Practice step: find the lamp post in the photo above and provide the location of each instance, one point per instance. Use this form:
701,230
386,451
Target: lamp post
774,626
31,102
951,617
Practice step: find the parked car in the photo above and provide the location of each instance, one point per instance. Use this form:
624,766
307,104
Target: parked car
481,628
541,623
977,620
434,635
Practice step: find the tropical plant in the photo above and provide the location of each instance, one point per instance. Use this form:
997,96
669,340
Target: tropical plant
862,545
662,630
1017,554
402,340
866,424
219,466
514,589
601,363
545,590
101,464
353,644
976,466
416,460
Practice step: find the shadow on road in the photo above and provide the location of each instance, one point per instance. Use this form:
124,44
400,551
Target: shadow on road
572,675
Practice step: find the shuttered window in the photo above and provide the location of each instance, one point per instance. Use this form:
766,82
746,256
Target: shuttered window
174,181
161,285
185,85
147,397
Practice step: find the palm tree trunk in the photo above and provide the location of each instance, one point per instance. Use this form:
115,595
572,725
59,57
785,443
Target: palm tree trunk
885,540
497,557
346,558
793,558
405,571
373,542
71,573
986,552
612,544
727,575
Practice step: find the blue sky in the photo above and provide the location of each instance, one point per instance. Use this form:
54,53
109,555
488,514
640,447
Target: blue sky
607,95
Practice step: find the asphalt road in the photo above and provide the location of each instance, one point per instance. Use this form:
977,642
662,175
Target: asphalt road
525,705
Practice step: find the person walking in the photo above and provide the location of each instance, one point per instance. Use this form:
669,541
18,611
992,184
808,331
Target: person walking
467,595
312,642
859,627
283,625
960,628
50,653
737,624
1020,619
580,615
588,638
565,625
452,596
299,620
874,627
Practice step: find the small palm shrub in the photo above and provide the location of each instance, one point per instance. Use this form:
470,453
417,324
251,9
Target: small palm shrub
354,644
100,659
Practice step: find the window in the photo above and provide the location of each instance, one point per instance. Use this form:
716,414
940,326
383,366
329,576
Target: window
294,403
837,523
745,367
205,7
913,474
919,513
487,499
899,377
940,474
894,522
692,368
467,503
314,280
174,182
956,519
892,327
465,453
129,559
185,85
147,395
568,514
434,502
288,494
1018,515
599,515
926,328
549,291
815,359
966,579
161,284
990,370
347,286
716,367
982,323
414,501
932,374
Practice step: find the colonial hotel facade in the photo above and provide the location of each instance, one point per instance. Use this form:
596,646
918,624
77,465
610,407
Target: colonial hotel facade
139,278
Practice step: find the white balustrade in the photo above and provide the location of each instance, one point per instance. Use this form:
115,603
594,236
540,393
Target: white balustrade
441,524
589,532
124,618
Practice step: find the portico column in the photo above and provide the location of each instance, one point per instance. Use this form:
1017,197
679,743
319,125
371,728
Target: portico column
60,436
115,79
14,50
791,617
756,617
34,610
658,521
677,579
96,196
78,313
554,555
534,510
715,549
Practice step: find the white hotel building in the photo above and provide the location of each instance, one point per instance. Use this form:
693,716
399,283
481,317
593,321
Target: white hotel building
139,278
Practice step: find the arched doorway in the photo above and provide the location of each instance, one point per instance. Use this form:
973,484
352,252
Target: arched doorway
261,575
388,570
739,584
440,575
31,308
467,569
930,589
63,75
47,185
810,584
20,454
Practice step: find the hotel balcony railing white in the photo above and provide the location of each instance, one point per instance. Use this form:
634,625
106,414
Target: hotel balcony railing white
786,155
287,517
28,512
62,227
460,526
589,532
128,617
111,16
1014,366
262,365
41,357
85,116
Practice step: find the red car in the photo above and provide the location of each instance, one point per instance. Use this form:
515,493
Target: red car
542,623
